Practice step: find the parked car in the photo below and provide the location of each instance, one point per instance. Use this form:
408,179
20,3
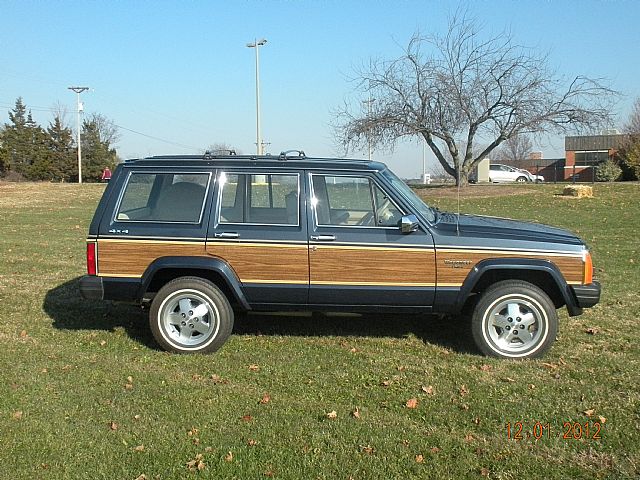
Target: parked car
499,173
532,176
197,238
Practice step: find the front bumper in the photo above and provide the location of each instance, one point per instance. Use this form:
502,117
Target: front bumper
587,295
91,287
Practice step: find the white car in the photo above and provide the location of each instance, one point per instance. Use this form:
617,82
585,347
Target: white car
499,173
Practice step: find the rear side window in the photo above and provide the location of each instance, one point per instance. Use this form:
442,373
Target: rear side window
164,197
259,199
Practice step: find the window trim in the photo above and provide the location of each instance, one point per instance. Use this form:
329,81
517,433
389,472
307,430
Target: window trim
221,171
116,210
372,181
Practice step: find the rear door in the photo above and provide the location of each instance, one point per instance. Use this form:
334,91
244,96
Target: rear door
259,229
357,253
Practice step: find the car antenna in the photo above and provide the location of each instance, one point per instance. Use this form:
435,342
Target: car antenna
458,209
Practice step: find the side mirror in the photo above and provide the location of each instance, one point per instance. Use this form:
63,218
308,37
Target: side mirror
408,223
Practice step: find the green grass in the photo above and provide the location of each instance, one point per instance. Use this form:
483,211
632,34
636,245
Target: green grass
68,408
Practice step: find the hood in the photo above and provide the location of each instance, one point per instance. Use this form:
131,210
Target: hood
495,227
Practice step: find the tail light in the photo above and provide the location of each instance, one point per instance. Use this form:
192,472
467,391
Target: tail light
588,268
91,258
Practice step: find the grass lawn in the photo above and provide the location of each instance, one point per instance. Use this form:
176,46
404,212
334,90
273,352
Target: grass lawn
85,393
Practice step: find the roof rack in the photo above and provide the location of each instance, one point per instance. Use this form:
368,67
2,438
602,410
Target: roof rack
209,154
298,153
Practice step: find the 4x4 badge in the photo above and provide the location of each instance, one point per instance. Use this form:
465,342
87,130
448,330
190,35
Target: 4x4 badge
117,230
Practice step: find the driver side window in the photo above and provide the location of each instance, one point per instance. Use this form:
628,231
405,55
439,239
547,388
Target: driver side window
352,201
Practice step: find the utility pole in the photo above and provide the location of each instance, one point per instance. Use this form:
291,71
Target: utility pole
257,44
78,91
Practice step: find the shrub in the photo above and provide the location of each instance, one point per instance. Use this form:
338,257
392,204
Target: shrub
608,171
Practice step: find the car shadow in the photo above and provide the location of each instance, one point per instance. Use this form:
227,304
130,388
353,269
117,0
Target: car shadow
446,331
70,311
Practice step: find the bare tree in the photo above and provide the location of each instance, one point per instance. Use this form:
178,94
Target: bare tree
106,128
633,123
515,151
460,88
222,148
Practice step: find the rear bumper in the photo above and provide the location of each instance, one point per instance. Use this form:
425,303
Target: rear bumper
587,295
91,287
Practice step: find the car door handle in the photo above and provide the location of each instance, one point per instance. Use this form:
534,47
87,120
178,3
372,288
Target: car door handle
323,238
226,235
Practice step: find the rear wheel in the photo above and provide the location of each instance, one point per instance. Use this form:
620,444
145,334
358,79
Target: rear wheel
514,319
190,314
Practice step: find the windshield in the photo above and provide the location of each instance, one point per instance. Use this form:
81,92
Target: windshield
409,195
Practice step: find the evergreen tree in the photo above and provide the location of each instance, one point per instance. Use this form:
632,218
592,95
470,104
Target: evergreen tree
61,151
23,146
97,151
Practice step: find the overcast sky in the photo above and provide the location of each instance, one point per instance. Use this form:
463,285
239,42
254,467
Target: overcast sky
181,71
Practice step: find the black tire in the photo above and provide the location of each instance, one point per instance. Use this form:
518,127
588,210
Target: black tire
521,179
514,319
189,315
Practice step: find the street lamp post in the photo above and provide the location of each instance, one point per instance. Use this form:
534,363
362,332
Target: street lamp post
78,91
257,44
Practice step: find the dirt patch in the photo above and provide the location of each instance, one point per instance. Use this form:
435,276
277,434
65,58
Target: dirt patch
474,191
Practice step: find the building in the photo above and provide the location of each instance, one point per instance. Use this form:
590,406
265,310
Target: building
584,153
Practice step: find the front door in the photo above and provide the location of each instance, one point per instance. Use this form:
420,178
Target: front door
357,253
257,229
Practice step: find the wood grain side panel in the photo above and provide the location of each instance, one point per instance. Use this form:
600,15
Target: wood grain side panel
372,266
131,258
571,267
266,263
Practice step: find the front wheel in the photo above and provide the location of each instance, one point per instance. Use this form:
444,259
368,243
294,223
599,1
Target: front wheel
190,314
521,179
514,319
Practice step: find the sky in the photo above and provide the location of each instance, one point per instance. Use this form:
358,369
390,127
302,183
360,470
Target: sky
177,77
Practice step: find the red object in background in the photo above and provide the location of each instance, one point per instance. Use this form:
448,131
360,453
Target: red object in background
106,174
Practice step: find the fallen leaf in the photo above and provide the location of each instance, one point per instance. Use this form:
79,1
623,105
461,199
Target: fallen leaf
551,366
216,379
589,412
196,377
197,463
266,398
469,437
532,386
464,406
247,418
332,414
208,449
136,417
592,331
252,442
141,477
435,449
368,449
17,415
353,350
254,368
113,426
419,459
195,441
412,403
485,367
130,379
484,472
228,457
476,420
401,368
508,379
356,413
464,391
602,419
428,390
269,473
103,343
385,383
139,448
23,333
194,431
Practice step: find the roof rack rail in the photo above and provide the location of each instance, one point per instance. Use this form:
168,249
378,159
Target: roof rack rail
287,154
